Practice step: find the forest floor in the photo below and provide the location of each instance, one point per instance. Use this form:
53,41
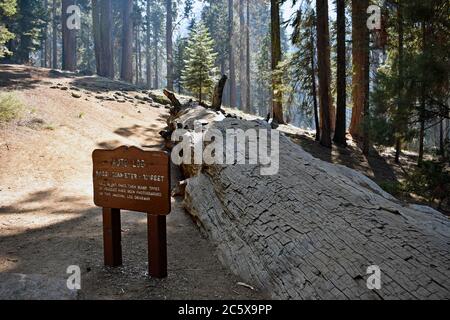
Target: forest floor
47,217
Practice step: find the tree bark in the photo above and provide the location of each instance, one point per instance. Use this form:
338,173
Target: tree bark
173,99
366,115
248,84
421,135
106,40
341,106
147,46
218,94
314,86
441,138
126,73
242,56
277,106
69,57
139,54
54,36
400,120
423,104
323,52
232,66
96,34
360,50
44,42
169,44
136,53
316,237
156,44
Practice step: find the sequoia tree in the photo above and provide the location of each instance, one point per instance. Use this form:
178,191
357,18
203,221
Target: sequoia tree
232,81
169,44
360,53
102,30
323,53
69,48
277,106
126,73
341,106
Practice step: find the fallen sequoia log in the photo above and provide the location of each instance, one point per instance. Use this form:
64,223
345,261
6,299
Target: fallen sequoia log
312,230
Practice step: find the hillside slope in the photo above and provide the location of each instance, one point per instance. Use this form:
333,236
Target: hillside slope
47,217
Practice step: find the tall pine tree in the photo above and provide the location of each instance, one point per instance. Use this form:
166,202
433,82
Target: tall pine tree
199,72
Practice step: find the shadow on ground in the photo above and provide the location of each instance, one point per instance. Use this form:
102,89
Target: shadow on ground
374,166
76,239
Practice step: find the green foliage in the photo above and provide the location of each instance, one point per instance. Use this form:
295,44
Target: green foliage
199,73
264,76
431,180
7,9
10,107
86,54
297,68
5,36
215,18
28,25
178,60
394,188
412,90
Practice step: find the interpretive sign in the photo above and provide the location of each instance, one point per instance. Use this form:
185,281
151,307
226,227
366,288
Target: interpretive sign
132,179
129,178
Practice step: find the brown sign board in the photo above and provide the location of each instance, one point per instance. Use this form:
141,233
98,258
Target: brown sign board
129,178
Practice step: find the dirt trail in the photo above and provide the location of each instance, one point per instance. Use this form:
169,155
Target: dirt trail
47,218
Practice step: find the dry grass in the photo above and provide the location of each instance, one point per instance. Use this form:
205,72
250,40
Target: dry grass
10,107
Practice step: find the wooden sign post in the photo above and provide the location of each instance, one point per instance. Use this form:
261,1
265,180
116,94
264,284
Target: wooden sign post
135,180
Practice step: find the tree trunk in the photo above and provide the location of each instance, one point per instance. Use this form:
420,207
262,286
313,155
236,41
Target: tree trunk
169,44
360,75
106,40
366,115
317,237
147,47
314,86
399,121
156,43
341,114
48,62
136,54
126,73
248,84
421,135
423,105
55,36
441,138
277,106
96,34
69,61
232,66
242,56
218,94
44,41
139,54
323,53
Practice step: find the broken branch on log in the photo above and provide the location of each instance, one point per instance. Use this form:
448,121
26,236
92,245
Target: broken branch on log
175,102
218,94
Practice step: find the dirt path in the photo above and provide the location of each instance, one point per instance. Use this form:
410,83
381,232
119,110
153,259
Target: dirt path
47,219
